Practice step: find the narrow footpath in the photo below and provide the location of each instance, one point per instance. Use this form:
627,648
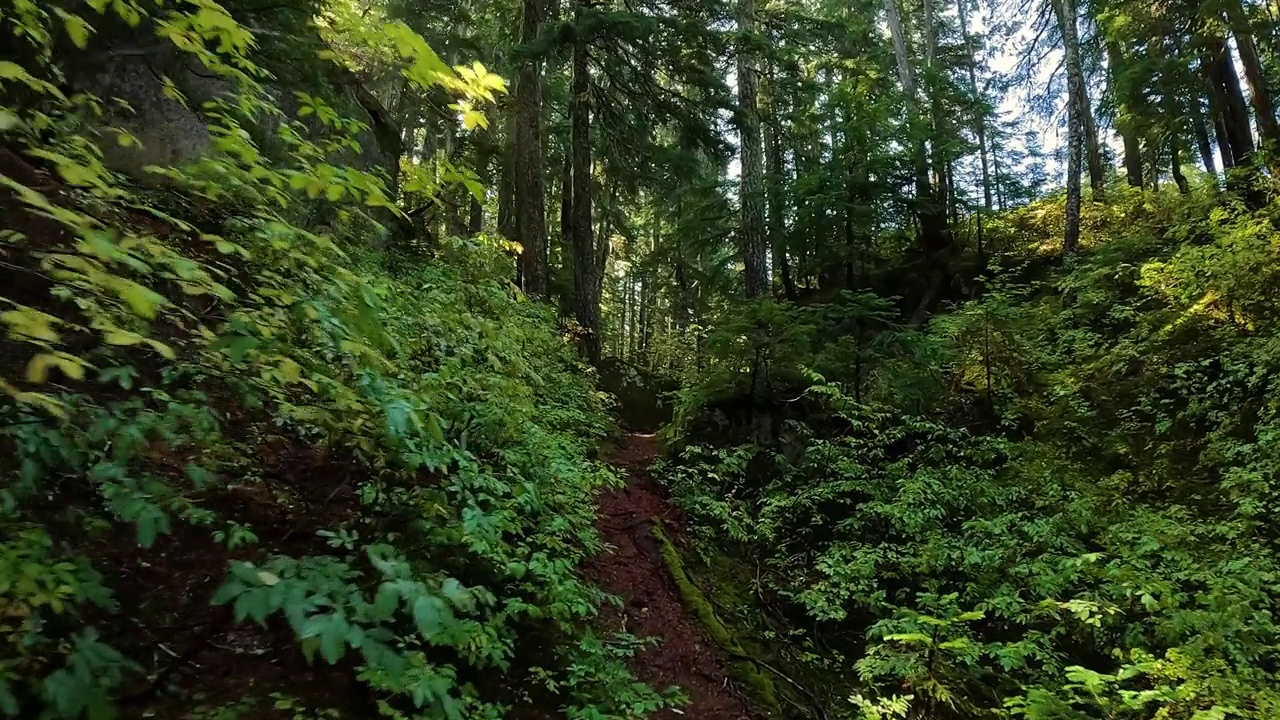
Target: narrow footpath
652,607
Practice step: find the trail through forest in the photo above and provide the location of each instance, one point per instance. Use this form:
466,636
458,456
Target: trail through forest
651,604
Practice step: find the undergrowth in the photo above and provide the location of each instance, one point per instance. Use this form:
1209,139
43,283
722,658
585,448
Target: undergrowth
1051,502
240,450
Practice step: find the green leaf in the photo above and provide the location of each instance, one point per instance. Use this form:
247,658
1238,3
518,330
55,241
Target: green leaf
230,590
458,595
8,121
39,365
122,376
332,639
30,323
251,604
12,71
434,429
77,29
430,615
142,300
387,599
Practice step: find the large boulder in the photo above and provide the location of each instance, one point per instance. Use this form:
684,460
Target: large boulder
131,65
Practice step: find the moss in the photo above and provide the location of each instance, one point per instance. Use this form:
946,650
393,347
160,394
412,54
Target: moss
759,685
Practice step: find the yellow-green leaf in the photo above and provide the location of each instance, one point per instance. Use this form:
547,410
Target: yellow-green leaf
165,351
8,120
70,365
30,323
142,300
77,29
12,71
51,405
474,118
121,337
290,371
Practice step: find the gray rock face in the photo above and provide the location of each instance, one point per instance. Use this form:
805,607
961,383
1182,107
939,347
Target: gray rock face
171,135
131,67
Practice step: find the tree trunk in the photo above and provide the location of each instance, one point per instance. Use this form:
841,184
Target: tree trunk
1235,113
751,189
566,199
646,288
1125,122
1202,136
980,117
776,195
1153,152
930,216
1175,163
907,77
938,134
1224,144
632,316
507,186
1078,94
1075,122
1259,93
1093,147
800,238
587,274
850,241
531,202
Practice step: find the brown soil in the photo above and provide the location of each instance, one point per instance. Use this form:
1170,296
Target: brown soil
634,571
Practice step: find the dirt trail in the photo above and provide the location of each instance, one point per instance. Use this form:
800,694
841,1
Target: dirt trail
652,607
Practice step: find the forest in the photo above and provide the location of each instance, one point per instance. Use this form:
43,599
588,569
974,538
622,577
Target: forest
623,359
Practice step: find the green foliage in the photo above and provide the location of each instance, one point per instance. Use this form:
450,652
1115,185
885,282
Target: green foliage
390,457
1076,529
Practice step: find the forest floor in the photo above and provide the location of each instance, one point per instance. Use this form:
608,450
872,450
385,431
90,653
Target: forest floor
651,604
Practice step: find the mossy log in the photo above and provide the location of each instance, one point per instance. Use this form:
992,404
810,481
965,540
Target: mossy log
745,669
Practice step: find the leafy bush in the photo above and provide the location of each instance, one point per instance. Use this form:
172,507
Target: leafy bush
1075,528
389,458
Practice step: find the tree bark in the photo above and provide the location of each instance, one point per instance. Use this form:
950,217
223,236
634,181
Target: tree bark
530,188
1093,147
587,273
507,185
1202,136
1125,122
751,188
931,217
776,195
1224,144
1078,94
1259,93
1231,103
938,136
1075,122
566,199
979,116
1175,163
